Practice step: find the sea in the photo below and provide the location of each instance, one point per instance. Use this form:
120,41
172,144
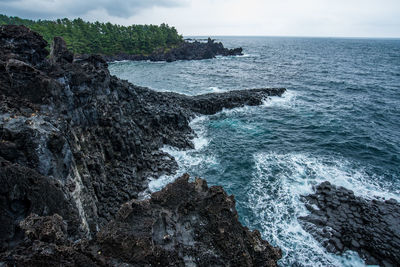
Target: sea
339,121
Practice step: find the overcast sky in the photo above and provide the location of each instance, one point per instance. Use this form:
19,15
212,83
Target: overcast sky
349,18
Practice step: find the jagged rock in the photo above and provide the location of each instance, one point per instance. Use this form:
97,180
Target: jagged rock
19,42
24,191
185,224
51,229
78,142
22,80
341,221
59,52
185,51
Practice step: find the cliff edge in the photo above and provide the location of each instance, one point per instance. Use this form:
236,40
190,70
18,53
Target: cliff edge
79,145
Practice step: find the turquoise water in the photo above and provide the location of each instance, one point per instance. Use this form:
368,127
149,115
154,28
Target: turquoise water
339,121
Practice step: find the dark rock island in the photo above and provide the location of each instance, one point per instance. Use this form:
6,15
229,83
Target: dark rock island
77,147
184,51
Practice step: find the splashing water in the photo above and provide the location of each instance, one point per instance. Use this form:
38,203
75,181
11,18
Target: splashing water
339,121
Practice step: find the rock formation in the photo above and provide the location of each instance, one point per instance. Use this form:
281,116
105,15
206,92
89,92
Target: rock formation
185,51
185,224
77,143
341,221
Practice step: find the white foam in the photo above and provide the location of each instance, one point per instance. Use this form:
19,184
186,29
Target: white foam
120,61
247,55
197,124
234,111
157,62
187,159
235,56
287,100
274,198
215,89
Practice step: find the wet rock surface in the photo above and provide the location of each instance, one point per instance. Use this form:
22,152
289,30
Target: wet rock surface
78,142
342,221
185,51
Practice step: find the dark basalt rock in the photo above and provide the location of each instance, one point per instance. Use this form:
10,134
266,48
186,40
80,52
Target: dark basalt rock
20,43
177,227
59,52
341,221
24,191
185,224
185,51
78,142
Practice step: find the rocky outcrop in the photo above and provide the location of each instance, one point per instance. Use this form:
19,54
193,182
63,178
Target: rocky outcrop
185,51
342,221
31,47
60,52
24,191
185,224
78,142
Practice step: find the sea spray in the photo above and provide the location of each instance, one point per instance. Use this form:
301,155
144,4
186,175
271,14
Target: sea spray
187,159
274,194
338,121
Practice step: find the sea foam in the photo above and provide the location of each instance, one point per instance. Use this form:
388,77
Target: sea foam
187,159
274,198
287,100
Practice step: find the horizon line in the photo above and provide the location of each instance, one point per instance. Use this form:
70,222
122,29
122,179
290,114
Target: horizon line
292,36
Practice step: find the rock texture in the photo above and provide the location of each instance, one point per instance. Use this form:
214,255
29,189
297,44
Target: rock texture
185,224
78,142
341,221
185,51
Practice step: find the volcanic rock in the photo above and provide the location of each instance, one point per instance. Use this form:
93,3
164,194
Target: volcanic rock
185,224
59,52
78,142
342,221
184,51
19,42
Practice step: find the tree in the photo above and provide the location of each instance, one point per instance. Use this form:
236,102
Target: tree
102,38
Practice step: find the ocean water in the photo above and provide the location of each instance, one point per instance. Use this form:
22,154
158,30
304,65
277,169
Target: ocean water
339,121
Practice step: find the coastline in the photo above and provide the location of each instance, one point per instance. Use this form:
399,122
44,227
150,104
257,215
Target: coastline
92,142
193,50
97,108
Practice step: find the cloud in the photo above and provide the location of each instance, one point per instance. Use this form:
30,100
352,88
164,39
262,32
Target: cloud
49,9
356,18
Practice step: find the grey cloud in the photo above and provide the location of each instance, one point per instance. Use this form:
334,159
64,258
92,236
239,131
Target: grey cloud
72,8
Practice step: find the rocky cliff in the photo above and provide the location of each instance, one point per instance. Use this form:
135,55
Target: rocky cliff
77,147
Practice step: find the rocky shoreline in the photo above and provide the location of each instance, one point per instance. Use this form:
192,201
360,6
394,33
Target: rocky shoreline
193,50
342,221
78,147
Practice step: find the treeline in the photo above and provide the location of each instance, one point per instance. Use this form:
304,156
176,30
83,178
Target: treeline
104,38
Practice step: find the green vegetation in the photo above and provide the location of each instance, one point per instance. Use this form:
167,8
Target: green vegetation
104,38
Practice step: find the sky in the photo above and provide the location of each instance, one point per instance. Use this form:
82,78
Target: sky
329,18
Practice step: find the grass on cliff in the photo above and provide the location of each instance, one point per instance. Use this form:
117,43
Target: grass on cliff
84,37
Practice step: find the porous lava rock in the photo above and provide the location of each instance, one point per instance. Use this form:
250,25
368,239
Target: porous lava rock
78,142
342,221
185,224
